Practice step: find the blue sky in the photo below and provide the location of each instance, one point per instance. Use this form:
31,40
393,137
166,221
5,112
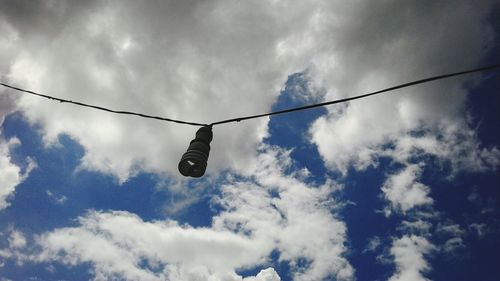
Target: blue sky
403,186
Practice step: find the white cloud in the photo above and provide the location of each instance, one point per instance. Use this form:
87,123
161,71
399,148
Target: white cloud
373,244
191,61
263,212
480,229
7,105
16,239
404,192
456,144
453,244
409,257
184,60
207,60
11,174
391,47
455,236
117,244
59,199
17,243
284,217
268,274
417,226
474,197
450,228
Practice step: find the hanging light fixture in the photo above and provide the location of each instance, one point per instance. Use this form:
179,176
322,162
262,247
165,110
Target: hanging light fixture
194,162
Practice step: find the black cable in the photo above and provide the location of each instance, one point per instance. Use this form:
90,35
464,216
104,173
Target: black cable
104,108
238,119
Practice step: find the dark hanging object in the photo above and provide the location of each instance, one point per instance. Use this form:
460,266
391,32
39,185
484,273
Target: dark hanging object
194,162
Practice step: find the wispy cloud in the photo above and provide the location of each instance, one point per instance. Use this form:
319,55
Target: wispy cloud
409,257
404,192
11,175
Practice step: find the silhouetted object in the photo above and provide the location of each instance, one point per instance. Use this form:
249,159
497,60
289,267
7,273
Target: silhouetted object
194,162
242,118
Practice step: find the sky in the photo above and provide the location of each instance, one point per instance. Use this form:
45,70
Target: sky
400,187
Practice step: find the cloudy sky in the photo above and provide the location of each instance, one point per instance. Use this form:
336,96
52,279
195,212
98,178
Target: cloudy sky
402,186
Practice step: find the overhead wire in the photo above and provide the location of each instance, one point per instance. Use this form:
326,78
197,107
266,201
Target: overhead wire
242,118
103,108
306,107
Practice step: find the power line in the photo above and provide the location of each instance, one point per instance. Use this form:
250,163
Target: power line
238,119
104,108
242,118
